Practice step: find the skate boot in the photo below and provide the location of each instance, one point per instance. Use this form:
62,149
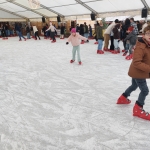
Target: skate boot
71,61
82,42
123,100
96,42
118,50
106,49
129,57
80,62
125,53
54,41
100,52
114,52
123,50
140,112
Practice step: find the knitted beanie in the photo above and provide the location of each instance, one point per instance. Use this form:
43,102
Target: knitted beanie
73,30
130,29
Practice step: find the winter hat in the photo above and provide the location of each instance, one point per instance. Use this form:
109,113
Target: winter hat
116,21
73,30
130,29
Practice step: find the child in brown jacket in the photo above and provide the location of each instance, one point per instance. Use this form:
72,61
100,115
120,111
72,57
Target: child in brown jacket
139,71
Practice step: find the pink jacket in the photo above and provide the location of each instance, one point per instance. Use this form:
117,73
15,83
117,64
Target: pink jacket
76,40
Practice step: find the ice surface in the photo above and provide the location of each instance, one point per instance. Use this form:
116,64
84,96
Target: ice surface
46,103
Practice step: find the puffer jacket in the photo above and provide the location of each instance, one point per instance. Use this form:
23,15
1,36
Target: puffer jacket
99,32
132,37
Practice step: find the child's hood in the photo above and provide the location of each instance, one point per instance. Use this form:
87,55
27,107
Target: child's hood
144,42
133,33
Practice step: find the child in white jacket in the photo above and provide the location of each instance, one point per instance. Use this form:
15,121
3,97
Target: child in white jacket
36,34
52,32
75,39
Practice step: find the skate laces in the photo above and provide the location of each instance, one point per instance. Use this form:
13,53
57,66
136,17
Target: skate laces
143,111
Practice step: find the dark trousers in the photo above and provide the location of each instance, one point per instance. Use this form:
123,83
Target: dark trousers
96,38
3,33
142,84
124,44
37,35
112,43
53,36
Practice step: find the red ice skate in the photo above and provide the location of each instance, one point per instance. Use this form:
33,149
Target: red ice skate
123,100
125,53
82,42
71,61
129,57
118,51
114,52
140,112
80,63
106,49
54,41
100,52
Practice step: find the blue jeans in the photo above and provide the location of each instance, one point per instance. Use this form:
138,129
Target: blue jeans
20,35
90,34
129,48
100,44
86,35
28,35
142,84
48,34
11,32
7,33
116,44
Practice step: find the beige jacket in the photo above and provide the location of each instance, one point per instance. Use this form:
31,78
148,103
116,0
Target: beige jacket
110,28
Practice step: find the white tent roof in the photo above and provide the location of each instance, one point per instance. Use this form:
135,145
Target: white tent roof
52,8
138,17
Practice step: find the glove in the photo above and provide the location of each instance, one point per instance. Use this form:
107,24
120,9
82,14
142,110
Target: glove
67,43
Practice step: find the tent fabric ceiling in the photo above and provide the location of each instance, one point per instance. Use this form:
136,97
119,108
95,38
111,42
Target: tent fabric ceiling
51,8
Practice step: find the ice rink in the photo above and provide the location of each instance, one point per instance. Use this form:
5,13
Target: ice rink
46,103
